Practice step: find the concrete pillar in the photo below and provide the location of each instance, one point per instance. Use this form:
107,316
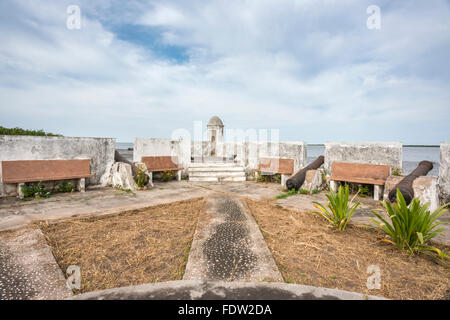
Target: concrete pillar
284,178
256,176
81,185
150,176
378,192
334,185
19,190
179,175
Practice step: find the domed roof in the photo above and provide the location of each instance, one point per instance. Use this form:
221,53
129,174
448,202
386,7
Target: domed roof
215,121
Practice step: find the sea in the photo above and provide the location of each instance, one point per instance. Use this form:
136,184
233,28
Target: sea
412,155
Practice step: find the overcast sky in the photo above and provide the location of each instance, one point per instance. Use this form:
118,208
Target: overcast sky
310,68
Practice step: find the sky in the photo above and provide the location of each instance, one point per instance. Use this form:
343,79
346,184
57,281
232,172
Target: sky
310,68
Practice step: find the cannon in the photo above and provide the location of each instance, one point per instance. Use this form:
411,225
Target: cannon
406,185
296,181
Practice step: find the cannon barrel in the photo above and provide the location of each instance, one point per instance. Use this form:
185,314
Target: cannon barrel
406,185
296,181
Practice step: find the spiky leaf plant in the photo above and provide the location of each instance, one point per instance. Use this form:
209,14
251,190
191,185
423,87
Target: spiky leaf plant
411,227
338,210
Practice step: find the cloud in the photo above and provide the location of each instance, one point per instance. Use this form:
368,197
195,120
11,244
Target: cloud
310,68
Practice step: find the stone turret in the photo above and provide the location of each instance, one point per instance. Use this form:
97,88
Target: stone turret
215,133
215,129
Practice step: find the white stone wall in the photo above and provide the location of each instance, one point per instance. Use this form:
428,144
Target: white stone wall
144,147
389,153
292,150
444,173
99,150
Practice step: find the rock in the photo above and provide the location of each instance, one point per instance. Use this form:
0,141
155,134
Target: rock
121,175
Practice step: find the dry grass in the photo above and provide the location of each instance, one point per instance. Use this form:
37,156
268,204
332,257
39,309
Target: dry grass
308,251
130,248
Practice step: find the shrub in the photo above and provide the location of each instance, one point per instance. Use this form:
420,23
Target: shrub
339,210
34,190
276,178
363,191
23,132
396,172
65,187
303,191
141,178
411,226
167,175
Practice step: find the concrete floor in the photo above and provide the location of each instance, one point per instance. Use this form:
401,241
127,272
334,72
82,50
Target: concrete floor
18,259
100,201
228,245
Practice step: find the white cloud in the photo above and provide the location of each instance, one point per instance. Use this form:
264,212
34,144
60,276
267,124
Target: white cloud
311,68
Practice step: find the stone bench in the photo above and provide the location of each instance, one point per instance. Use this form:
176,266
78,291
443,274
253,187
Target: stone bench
285,167
161,163
22,171
362,173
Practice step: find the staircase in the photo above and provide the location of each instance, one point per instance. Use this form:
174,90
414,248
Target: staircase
216,172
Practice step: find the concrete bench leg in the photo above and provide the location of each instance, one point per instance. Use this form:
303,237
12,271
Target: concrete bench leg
19,190
81,185
284,178
256,176
179,175
378,192
150,178
333,185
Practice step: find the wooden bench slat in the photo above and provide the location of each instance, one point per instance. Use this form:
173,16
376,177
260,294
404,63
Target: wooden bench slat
276,165
357,180
36,179
359,173
45,170
161,163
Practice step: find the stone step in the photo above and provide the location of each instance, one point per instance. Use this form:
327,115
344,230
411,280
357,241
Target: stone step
216,169
217,174
213,164
215,179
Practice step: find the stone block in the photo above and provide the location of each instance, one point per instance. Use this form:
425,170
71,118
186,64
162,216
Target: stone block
313,180
444,173
425,189
389,153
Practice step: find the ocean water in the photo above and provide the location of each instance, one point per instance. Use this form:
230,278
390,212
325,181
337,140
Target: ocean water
411,155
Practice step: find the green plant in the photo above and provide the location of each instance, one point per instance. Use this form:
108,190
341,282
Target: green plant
324,185
396,171
363,191
303,191
127,191
411,226
64,187
167,175
141,178
314,191
34,190
338,210
286,194
276,178
23,132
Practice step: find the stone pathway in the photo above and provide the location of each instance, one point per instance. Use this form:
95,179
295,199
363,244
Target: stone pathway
28,270
229,246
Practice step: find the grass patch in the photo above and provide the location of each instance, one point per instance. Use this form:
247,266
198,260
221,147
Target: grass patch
292,192
130,248
304,244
